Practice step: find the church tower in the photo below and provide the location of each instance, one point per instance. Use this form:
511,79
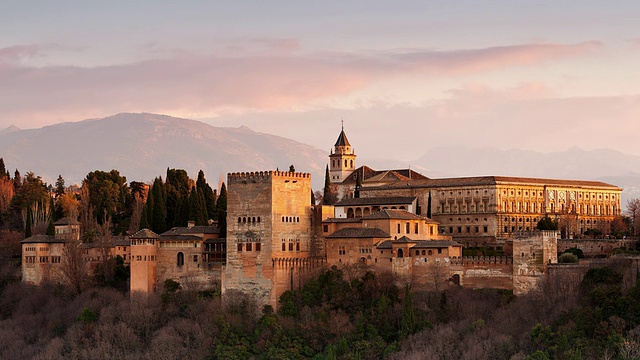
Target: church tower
342,160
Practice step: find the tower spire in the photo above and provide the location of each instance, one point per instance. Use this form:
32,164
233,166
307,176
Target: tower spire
342,120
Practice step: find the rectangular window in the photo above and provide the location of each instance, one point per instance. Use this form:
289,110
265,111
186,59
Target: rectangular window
407,228
398,228
249,246
342,250
450,229
486,229
439,251
468,229
325,228
239,247
290,246
258,246
283,247
297,246
195,258
415,228
459,229
476,229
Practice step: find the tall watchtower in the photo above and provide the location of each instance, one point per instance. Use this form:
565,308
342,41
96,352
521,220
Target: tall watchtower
342,160
144,257
268,223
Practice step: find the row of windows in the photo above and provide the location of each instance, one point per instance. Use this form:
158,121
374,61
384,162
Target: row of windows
142,242
290,247
249,219
249,246
467,229
42,259
347,163
291,219
466,207
145,258
30,248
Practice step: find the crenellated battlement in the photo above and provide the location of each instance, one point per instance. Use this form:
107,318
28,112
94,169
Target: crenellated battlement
264,175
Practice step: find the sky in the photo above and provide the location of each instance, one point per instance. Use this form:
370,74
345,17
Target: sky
405,76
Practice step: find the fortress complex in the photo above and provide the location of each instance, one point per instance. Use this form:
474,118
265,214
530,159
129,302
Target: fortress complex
475,211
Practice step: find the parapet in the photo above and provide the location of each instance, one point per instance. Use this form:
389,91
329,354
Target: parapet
482,260
264,175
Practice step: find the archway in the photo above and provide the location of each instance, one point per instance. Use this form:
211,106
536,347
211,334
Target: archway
400,253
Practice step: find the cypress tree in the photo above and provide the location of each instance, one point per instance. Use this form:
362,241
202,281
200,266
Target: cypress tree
159,215
17,179
197,207
358,186
59,186
209,195
327,197
51,229
221,211
408,315
3,169
429,206
27,225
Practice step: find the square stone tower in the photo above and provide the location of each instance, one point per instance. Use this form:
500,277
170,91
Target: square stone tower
268,232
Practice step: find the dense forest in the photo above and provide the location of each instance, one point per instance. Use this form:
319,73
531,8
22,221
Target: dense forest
336,315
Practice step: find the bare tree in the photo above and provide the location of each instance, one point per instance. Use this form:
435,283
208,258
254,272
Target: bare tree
437,274
6,193
74,267
633,211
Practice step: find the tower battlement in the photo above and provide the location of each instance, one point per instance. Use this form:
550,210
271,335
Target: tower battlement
239,177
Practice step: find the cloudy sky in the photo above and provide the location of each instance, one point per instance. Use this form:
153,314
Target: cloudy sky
405,76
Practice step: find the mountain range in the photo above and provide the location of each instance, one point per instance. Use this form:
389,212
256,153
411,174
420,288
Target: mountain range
142,146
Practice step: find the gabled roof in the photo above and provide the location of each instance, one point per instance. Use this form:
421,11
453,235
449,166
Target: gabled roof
144,234
39,238
342,220
67,221
342,139
359,233
396,200
404,240
369,175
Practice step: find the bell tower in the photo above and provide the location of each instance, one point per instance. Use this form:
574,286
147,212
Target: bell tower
342,160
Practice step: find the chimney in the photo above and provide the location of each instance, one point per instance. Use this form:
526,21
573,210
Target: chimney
191,224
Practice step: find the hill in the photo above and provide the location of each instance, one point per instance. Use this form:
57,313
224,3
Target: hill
142,146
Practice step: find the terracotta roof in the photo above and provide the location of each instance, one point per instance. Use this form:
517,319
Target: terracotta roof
67,221
370,175
180,237
144,234
395,214
404,239
113,241
491,180
396,200
342,139
359,233
39,238
385,245
183,230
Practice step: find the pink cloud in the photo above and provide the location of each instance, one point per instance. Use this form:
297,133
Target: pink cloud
279,78
14,53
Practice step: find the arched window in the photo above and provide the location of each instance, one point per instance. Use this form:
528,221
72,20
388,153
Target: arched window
349,212
345,162
400,253
244,219
430,252
180,260
239,220
253,219
423,252
258,218
351,164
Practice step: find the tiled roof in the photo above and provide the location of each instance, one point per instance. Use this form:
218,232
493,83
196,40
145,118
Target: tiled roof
144,234
395,200
369,175
359,233
404,239
183,230
491,180
180,237
42,239
342,139
113,241
67,221
396,215
385,245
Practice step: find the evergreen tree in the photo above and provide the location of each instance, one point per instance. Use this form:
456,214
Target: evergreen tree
408,314
51,229
327,197
159,211
292,168
177,187
17,180
221,211
144,217
59,186
358,186
198,209
209,195
183,208
429,206
3,170
27,225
